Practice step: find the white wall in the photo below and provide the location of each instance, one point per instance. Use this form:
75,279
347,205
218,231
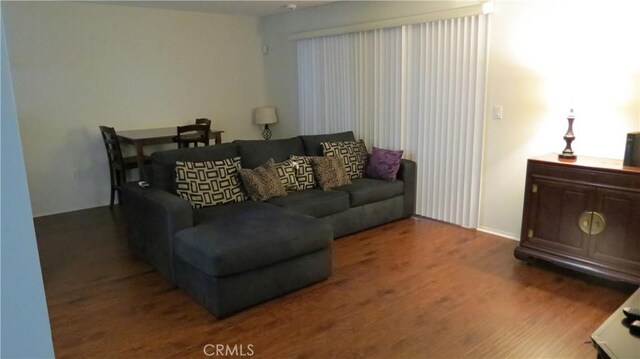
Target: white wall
80,65
25,321
545,56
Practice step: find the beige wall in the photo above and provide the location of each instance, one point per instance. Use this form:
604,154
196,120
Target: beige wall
78,65
545,56
548,56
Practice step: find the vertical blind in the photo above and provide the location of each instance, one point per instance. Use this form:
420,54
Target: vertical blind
420,88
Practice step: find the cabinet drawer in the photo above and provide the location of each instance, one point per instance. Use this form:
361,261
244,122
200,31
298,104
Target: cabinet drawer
584,175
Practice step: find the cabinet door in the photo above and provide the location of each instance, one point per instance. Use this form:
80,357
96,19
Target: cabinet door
554,210
619,244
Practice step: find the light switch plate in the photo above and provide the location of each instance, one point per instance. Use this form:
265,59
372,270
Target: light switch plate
497,112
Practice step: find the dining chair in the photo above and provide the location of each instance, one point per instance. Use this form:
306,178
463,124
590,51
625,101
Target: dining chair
118,164
193,134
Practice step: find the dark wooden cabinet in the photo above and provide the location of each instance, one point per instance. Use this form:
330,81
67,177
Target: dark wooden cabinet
583,214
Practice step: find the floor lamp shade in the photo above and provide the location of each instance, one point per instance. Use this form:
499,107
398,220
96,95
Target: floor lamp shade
265,115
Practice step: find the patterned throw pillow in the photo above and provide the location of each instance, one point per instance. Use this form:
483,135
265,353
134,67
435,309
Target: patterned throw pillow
354,154
304,174
209,183
262,182
287,172
384,164
330,172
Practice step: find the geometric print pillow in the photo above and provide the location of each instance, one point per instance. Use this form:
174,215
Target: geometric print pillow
304,172
287,171
209,183
353,153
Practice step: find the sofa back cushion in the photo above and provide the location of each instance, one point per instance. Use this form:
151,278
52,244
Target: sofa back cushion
256,152
312,143
163,163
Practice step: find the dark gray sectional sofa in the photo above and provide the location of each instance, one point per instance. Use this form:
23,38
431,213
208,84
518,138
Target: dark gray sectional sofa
232,256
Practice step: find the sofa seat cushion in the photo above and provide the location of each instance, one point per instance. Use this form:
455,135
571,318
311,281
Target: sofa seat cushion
238,237
314,202
368,190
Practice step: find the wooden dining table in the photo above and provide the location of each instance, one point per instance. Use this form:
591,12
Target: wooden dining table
155,136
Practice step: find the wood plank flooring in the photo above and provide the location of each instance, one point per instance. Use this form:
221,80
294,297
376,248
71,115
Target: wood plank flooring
410,289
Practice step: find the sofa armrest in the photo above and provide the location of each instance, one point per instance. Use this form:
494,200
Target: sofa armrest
408,174
153,217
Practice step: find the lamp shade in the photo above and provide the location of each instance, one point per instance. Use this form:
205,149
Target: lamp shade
264,115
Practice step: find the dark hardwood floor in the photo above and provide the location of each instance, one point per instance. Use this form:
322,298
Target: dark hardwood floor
410,289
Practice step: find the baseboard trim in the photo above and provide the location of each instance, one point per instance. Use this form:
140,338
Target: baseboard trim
495,232
499,233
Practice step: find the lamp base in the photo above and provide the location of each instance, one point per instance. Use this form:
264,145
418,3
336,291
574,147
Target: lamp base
266,133
567,154
562,156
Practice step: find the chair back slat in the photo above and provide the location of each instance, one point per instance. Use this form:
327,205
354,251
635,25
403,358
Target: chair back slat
193,134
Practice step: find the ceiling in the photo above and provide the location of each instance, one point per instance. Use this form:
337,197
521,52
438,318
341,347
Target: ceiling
240,7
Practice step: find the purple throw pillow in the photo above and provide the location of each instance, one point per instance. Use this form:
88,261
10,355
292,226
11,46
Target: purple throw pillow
384,164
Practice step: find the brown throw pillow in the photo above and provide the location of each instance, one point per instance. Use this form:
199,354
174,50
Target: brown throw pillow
330,172
262,182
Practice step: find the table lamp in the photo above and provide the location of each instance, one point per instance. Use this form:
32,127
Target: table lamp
567,153
265,115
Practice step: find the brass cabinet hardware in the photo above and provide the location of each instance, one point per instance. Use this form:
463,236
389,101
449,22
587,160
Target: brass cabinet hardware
534,188
530,233
591,222
584,221
598,223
